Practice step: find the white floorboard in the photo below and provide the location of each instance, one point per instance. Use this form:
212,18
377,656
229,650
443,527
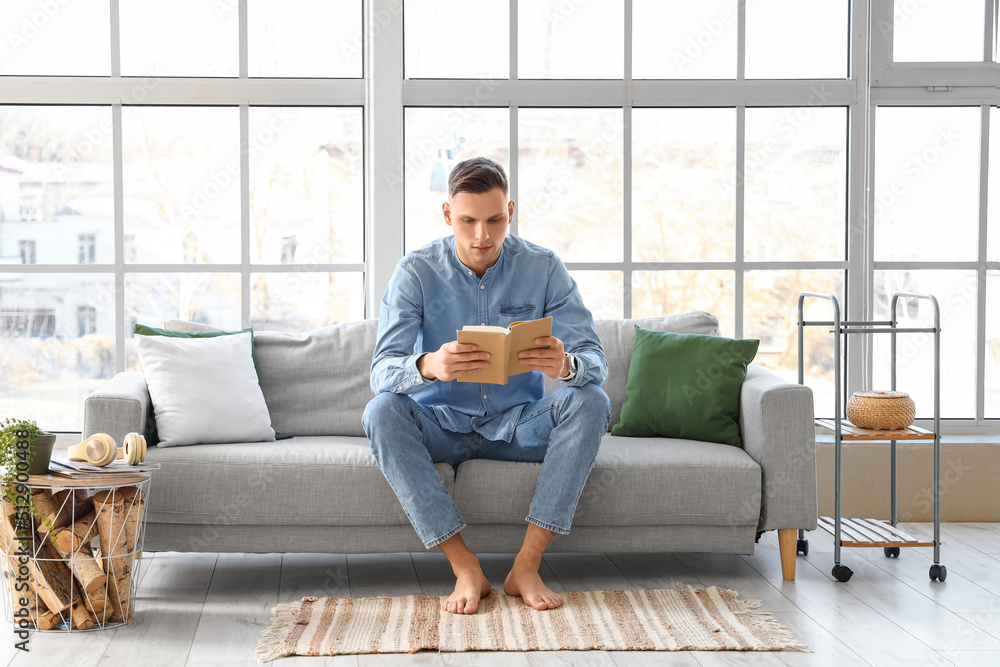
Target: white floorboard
197,610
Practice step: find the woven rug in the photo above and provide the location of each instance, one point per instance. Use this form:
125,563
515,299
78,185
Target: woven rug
684,619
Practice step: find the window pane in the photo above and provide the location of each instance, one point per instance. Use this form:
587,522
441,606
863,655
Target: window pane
601,292
993,201
796,183
182,183
55,38
927,183
436,140
300,301
683,184
815,32
306,193
956,294
570,182
769,314
154,298
56,184
58,335
937,30
993,344
303,38
456,39
656,293
684,40
179,38
571,40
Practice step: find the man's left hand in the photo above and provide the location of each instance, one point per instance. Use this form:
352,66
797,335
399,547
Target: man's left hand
549,359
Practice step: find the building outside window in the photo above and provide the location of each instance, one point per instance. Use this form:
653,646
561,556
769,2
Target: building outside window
86,248
27,250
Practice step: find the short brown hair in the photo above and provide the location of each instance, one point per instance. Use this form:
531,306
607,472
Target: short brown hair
477,175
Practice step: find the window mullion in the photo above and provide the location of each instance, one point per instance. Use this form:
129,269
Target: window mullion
984,181
384,208
118,162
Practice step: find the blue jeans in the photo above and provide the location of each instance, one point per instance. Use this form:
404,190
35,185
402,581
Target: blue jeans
562,431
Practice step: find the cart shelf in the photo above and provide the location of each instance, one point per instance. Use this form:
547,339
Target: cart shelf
870,533
849,431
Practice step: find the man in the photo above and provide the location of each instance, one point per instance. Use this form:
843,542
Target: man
420,415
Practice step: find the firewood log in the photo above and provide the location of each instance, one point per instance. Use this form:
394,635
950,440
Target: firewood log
39,613
135,505
83,566
81,532
50,578
110,509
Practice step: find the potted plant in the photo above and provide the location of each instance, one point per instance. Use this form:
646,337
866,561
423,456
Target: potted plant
24,448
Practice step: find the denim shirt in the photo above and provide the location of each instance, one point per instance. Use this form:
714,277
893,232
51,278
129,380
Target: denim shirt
432,295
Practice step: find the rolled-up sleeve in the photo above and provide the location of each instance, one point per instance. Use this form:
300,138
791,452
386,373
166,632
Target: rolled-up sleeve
573,324
394,363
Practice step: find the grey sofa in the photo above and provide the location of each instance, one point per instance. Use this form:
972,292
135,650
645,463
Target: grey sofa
321,491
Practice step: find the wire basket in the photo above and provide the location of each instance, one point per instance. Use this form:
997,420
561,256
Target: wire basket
74,565
881,410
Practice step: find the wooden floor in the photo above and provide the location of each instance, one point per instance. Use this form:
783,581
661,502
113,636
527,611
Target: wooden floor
209,609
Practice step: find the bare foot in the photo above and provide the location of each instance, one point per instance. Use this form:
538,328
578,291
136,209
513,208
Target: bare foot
524,581
470,585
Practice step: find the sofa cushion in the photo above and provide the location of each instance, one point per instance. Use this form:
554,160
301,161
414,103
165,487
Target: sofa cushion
634,482
307,481
203,390
316,382
616,337
685,386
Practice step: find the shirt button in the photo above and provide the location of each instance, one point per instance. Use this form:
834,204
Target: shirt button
482,287
484,397
482,324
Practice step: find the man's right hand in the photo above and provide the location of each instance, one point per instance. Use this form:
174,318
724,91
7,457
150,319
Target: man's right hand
452,360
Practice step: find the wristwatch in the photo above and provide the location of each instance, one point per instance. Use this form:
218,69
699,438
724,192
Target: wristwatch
572,368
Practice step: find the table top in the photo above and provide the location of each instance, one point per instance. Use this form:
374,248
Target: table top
51,480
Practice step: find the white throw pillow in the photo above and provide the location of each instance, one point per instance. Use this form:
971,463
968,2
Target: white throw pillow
204,390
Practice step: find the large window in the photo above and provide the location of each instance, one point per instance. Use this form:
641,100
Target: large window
267,164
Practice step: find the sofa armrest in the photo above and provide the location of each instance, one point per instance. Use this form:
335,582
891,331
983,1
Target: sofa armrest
778,432
119,407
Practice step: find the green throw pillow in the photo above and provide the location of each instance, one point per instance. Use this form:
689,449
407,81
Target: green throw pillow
143,330
685,386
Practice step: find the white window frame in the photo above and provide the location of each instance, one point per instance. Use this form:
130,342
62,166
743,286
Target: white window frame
915,84
383,93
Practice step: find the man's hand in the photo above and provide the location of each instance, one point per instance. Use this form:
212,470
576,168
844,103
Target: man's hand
549,359
452,360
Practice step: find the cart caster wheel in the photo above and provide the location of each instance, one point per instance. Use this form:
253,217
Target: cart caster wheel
802,547
891,552
842,573
938,572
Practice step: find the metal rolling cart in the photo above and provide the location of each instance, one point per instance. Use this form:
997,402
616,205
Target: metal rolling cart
874,532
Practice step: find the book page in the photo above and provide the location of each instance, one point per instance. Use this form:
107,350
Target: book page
522,337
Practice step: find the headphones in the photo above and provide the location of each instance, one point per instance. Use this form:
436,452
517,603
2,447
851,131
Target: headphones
100,449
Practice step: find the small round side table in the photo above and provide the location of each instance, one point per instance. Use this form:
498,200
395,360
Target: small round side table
74,565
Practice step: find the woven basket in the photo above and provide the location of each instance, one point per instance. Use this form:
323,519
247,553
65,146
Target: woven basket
881,410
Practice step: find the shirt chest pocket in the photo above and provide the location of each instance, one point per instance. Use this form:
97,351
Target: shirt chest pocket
515,312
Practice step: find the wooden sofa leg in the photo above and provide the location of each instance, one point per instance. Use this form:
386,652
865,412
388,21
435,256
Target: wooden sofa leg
786,546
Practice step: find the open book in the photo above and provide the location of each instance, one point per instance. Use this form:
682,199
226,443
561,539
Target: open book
503,344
